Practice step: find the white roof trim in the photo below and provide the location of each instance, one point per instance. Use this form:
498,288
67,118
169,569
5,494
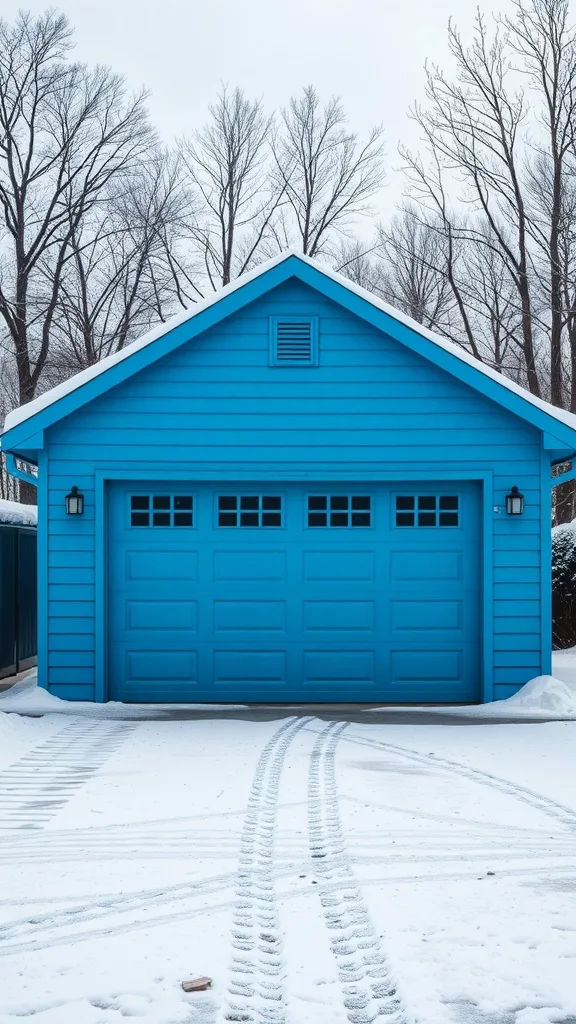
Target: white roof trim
25,412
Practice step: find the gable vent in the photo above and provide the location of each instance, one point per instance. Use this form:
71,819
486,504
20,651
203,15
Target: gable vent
294,341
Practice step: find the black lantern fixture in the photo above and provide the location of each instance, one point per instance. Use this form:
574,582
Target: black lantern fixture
74,502
514,502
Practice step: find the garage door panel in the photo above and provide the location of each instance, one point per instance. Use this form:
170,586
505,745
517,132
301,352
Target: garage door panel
421,564
249,667
425,691
339,566
161,615
162,664
162,564
249,616
411,665
254,566
413,616
161,691
338,616
336,667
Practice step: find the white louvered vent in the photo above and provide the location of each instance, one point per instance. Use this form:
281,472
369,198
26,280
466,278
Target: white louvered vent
294,341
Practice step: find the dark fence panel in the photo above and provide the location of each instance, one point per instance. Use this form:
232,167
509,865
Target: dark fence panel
27,608
7,601
18,599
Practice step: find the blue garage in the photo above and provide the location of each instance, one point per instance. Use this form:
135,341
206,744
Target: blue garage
292,492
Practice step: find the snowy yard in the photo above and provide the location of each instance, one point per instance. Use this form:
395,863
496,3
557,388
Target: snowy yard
318,871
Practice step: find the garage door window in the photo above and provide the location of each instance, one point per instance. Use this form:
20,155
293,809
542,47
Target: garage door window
425,510
256,510
161,510
330,510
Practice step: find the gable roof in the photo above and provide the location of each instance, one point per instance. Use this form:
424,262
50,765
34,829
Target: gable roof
65,398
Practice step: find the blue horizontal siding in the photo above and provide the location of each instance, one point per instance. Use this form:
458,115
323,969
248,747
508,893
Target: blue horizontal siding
68,625
216,404
521,608
301,447
70,592
510,540
67,691
516,591
399,428
518,560
522,574
71,574
387,404
83,559
509,641
517,675
514,658
72,642
65,545
504,690
66,610
73,675
59,659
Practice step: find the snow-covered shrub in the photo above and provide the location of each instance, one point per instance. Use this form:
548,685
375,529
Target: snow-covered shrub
564,585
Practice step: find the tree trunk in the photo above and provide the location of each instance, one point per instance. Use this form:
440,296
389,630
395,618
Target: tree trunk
28,493
565,502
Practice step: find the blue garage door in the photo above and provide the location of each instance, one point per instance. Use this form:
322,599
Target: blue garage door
287,592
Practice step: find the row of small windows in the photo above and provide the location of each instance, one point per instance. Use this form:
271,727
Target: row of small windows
323,510
161,510
250,510
339,510
427,510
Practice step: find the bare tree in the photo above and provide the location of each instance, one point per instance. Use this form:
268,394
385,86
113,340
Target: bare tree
235,197
8,399
123,270
328,176
65,134
500,141
544,41
473,125
415,272
359,263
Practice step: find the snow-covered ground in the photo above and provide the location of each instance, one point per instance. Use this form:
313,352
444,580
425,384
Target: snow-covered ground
318,871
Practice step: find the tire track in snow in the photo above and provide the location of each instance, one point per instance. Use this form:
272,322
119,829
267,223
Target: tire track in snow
256,986
72,910
368,990
537,801
86,844
147,922
27,929
34,788
69,912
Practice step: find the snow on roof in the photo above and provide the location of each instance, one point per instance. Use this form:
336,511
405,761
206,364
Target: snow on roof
18,515
25,412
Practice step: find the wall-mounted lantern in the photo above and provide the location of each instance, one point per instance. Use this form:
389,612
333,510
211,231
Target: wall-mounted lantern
74,502
514,502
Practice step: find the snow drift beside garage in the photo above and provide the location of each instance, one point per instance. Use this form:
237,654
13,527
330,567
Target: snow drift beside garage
545,698
15,514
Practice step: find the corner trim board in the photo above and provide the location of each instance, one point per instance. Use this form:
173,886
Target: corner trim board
487,569
42,542
546,560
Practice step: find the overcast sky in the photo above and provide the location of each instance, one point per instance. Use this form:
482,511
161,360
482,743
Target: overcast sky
371,52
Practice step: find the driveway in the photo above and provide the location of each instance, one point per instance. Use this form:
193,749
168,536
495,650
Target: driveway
334,869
